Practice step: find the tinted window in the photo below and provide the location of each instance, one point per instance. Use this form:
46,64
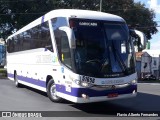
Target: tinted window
62,42
63,48
103,48
10,45
36,37
59,22
26,40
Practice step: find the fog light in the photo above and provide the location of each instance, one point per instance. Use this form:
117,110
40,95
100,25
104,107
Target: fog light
134,82
85,96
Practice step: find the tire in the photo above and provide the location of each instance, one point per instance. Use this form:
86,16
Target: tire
17,84
51,92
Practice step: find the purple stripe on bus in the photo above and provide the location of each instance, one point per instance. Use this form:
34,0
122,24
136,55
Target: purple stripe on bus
10,75
93,93
30,80
77,92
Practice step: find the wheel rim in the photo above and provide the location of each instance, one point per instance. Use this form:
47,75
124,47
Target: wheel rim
53,92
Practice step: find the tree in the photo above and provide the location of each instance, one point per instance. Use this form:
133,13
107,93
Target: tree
18,13
135,14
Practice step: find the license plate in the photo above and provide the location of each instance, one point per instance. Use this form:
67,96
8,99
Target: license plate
112,95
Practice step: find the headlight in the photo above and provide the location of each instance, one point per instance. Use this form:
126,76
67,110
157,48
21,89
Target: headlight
85,84
78,82
75,80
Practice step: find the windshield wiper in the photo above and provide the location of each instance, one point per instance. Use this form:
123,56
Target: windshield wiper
105,63
121,62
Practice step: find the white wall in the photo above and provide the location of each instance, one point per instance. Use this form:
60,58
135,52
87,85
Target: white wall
145,63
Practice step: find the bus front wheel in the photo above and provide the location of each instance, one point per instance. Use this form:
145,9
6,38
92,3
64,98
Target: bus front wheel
51,92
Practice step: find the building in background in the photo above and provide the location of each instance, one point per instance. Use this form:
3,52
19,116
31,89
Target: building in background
148,62
155,65
143,64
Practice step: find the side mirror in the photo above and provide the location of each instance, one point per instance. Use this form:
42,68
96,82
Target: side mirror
70,35
141,36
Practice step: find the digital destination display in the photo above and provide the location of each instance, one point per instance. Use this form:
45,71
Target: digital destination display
88,24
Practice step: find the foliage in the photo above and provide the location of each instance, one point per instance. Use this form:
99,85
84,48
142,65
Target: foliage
3,72
135,14
17,13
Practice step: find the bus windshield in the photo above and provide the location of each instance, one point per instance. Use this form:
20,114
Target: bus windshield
103,48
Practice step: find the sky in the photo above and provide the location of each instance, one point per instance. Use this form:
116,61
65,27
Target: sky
155,5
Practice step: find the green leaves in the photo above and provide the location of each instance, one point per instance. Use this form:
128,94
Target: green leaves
17,13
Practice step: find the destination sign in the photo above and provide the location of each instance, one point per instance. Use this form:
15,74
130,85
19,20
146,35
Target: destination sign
88,24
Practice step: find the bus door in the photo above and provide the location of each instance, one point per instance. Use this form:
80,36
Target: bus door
62,38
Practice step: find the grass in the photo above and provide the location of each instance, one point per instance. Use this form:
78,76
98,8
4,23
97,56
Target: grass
3,72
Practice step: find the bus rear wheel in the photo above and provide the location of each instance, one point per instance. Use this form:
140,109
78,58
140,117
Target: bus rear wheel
51,92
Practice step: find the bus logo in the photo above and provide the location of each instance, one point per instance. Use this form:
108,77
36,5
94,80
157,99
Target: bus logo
112,82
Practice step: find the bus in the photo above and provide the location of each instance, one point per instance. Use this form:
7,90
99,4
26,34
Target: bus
139,40
79,55
2,53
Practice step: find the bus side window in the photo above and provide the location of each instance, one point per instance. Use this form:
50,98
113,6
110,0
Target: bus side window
45,37
9,45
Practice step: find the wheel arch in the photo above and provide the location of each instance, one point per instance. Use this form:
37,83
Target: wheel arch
15,72
48,78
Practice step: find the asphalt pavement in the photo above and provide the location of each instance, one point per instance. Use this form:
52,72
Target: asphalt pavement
29,99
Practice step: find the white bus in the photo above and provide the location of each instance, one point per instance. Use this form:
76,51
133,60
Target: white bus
79,55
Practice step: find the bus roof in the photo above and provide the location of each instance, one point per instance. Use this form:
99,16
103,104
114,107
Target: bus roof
71,13
83,14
